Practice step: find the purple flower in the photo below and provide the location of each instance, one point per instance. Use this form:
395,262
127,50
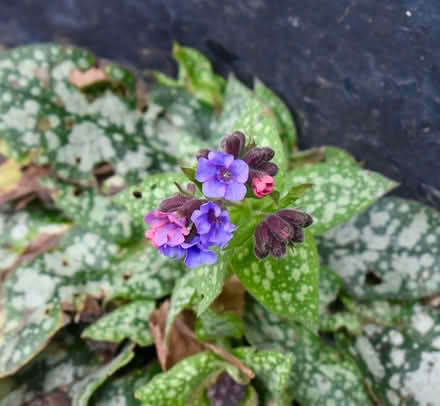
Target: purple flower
213,225
197,254
222,176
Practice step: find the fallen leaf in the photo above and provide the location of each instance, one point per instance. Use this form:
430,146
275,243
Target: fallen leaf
27,188
180,345
10,175
87,78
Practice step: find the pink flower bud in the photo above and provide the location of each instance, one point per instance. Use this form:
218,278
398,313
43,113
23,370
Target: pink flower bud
262,185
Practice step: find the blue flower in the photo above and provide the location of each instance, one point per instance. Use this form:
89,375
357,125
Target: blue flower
197,254
213,225
222,176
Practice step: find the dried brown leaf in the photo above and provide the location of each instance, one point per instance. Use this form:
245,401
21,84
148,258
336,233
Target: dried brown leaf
28,188
56,397
83,79
180,345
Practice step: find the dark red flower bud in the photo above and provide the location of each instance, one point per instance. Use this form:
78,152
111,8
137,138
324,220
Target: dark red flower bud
268,153
233,144
173,203
263,240
255,157
295,217
269,168
279,230
189,207
203,153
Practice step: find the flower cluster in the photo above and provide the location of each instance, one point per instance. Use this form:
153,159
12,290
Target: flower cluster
193,229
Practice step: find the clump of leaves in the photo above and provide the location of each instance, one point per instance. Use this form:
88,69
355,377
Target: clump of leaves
349,317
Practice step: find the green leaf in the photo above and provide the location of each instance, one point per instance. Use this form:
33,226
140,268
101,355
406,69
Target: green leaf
43,112
258,123
209,284
390,251
272,371
141,199
183,297
338,156
142,272
326,154
120,391
211,326
236,97
128,321
320,374
294,193
83,390
93,211
197,75
338,193
288,286
282,113
180,385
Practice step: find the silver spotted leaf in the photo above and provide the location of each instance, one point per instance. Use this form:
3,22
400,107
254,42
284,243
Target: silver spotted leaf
42,110
403,370
31,295
338,192
287,286
237,96
320,374
139,200
127,321
183,384
259,124
64,362
390,251
83,390
272,372
211,326
120,391
287,126
91,210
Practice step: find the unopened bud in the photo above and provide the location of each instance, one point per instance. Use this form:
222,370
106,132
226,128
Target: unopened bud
203,153
295,217
269,168
233,144
173,203
263,240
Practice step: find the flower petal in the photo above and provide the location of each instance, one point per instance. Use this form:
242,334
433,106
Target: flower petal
220,159
239,170
213,188
235,191
197,257
205,170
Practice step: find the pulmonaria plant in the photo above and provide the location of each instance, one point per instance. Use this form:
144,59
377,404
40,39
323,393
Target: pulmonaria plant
192,228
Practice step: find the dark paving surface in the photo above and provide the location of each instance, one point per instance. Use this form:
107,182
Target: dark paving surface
361,74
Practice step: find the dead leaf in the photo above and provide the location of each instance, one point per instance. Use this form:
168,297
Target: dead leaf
232,298
83,79
180,345
141,95
27,188
10,175
89,310
182,341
